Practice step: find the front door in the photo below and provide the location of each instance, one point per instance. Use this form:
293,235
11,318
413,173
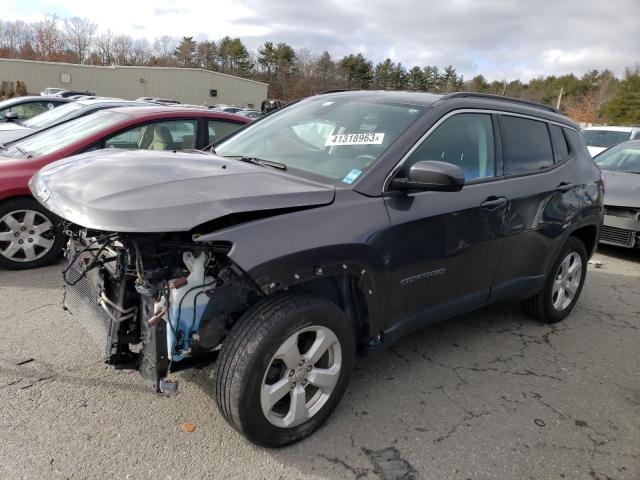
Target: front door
446,246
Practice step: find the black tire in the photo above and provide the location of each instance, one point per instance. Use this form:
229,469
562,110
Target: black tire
248,351
541,306
56,234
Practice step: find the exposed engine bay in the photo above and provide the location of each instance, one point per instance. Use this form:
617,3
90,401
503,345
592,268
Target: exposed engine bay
153,301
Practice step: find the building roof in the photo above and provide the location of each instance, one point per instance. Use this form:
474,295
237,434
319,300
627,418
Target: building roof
132,67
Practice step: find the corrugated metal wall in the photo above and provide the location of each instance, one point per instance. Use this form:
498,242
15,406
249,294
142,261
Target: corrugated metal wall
184,84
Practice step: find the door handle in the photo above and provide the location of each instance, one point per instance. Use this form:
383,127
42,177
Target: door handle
493,203
564,187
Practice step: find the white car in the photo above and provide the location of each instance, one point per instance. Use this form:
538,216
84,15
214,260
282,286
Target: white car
51,91
598,139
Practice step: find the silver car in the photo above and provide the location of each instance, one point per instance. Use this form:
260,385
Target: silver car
621,168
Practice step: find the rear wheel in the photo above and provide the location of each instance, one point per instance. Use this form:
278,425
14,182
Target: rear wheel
30,235
563,285
284,367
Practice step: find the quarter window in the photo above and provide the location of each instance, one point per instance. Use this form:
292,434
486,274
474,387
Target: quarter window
465,140
526,145
218,129
562,151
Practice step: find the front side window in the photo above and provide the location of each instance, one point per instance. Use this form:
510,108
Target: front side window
335,139
526,145
63,135
604,138
465,140
167,135
621,158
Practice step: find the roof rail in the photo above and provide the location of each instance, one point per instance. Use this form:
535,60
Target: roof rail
488,96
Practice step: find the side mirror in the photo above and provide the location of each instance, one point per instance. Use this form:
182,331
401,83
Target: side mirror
431,175
11,116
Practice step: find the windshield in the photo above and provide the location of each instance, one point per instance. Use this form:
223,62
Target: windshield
63,135
51,117
335,139
621,158
604,138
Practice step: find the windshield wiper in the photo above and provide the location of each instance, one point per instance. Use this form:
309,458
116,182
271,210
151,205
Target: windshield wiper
259,161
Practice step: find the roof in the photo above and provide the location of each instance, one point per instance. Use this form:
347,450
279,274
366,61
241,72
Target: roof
164,111
33,98
612,129
131,67
392,96
461,99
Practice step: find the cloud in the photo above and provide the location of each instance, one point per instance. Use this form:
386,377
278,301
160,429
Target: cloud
498,38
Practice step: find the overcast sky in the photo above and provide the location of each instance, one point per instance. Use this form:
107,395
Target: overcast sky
499,38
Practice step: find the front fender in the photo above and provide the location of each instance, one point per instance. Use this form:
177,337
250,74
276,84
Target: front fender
350,236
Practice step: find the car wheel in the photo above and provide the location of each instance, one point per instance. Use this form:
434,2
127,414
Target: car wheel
284,367
563,285
30,235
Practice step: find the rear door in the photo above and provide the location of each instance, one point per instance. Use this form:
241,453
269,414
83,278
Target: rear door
445,246
542,201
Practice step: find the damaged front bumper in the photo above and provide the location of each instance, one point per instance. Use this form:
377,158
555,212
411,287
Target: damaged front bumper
149,302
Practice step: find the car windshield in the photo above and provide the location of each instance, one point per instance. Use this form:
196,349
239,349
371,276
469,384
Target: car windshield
56,115
63,135
621,158
334,139
604,138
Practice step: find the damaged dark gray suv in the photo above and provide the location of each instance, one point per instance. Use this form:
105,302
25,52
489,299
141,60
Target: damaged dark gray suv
335,225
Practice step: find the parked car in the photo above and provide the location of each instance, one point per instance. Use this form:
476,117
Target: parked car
337,224
621,167
23,108
228,108
51,91
253,114
160,101
74,93
29,235
12,131
599,139
271,105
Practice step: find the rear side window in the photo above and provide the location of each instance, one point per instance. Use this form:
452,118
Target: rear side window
526,145
562,151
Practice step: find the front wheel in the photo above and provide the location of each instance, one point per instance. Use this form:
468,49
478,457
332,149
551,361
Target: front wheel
30,235
284,367
563,285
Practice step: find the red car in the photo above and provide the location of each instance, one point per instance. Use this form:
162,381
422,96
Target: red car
30,236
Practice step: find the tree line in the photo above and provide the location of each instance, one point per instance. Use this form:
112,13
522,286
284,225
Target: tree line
595,97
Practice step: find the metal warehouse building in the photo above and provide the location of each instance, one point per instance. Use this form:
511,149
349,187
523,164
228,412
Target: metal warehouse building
188,85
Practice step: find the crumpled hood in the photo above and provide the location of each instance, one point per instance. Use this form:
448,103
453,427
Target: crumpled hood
146,191
622,189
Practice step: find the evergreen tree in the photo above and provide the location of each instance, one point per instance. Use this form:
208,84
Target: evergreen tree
185,52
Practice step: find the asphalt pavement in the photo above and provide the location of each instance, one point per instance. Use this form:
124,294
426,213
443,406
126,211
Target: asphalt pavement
488,395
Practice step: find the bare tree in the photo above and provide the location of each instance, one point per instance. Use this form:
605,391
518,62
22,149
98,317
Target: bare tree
14,36
78,35
140,52
105,47
164,46
48,39
122,49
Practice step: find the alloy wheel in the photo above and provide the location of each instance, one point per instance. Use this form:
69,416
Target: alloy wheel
567,281
25,236
301,376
